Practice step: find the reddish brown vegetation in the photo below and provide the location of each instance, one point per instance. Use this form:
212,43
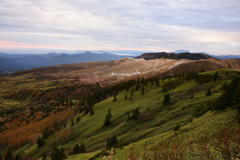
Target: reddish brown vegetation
25,129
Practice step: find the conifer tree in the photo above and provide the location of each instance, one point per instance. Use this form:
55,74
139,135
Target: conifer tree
91,111
63,154
138,80
166,98
112,142
40,141
143,89
128,118
17,157
107,121
9,155
72,122
177,127
114,97
76,149
157,82
143,81
44,157
55,153
152,83
215,76
192,96
137,87
78,118
135,114
209,92
82,148
132,91
109,112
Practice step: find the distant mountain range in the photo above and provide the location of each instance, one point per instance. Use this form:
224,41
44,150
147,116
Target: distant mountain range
16,62
226,56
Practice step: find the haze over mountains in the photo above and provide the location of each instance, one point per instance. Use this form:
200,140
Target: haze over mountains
16,62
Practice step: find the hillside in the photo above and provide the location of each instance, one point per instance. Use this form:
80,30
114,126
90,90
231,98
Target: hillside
65,113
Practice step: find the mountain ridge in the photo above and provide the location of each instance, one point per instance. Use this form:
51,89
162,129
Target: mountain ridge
165,55
109,72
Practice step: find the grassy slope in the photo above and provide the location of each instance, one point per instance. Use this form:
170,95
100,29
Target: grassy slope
153,124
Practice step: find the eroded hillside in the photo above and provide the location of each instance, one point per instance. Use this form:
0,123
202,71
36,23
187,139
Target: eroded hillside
126,68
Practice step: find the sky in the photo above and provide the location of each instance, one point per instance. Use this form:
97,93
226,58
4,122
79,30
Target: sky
211,26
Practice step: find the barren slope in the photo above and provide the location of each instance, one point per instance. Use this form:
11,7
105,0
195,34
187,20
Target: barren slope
126,68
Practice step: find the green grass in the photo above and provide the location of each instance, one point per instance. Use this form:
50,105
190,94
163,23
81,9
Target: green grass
156,120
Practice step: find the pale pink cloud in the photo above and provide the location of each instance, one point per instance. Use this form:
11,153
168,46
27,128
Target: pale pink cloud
18,45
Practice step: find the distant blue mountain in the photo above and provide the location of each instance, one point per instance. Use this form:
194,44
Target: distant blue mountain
180,51
16,62
226,56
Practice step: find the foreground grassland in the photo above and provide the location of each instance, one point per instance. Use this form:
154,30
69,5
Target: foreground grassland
180,127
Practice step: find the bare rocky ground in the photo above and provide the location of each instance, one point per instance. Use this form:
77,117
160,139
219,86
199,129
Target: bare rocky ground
126,68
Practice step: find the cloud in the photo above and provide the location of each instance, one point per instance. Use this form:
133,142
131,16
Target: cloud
139,24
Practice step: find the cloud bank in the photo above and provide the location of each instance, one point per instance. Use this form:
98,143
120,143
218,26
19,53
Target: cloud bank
197,25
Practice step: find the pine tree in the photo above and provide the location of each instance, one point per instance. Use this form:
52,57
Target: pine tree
166,98
107,121
138,80
157,82
192,96
91,111
143,81
17,157
152,83
135,114
78,118
112,142
44,157
55,153
132,91
215,76
128,118
143,89
177,127
9,155
137,87
209,92
63,154
108,144
40,141
76,149
72,122
114,97
126,96
82,148
109,113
